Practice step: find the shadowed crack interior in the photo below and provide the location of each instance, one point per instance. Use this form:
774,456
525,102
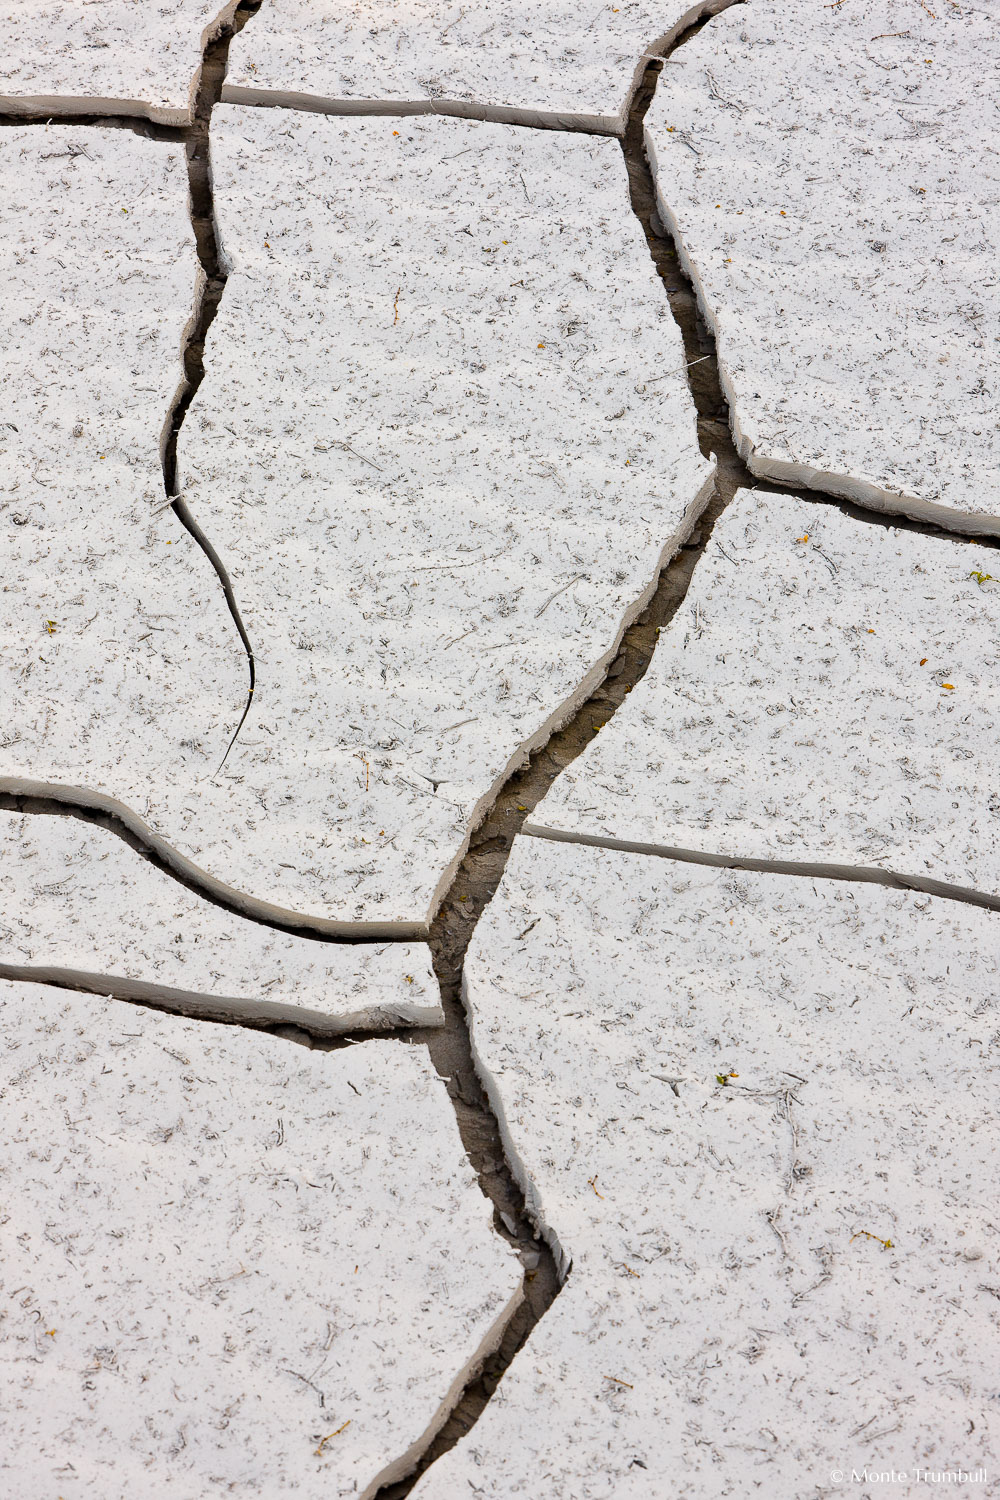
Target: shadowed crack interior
482,867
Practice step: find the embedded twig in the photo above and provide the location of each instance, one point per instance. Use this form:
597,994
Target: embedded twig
575,579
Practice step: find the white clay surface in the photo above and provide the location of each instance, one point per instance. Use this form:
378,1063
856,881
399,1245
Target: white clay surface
132,57
443,443
76,898
728,1324
543,60
220,1249
832,175
798,705
123,669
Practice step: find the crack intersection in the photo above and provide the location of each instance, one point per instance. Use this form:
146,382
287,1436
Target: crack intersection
481,869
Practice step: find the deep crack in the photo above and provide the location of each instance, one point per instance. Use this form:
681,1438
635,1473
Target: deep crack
482,867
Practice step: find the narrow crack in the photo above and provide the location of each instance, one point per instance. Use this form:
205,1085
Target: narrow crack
811,869
102,119
460,109
310,1028
49,799
481,869
97,109
208,295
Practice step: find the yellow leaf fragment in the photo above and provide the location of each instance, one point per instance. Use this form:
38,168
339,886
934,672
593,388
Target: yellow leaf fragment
323,1441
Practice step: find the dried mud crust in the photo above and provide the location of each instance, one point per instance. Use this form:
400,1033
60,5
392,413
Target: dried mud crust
482,867
130,61
692,1074
831,176
827,699
480,873
490,845
82,910
541,64
439,528
481,870
296,1245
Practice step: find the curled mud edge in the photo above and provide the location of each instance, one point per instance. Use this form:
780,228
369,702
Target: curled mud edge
802,478
259,1015
481,865
461,109
30,108
472,109
822,484
856,874
386,1483
17,794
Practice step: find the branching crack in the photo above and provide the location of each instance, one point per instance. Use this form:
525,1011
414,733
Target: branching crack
480,871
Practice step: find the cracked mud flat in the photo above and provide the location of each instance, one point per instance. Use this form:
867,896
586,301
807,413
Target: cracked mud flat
723,1094
229,1263
78,906
107,56
590,966
543,64
826,695
438,529
832,176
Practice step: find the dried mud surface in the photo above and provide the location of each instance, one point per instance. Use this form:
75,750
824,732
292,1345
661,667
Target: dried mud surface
479,874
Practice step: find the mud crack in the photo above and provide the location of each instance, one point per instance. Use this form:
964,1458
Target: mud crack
310,1028
812,869
482,867
459,109
208,295
194,137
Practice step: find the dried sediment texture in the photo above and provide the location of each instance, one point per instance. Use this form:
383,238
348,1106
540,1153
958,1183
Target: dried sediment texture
229,1265
444,442
78,56
832,176
731,1315
122,668
77,901
827,693
541,60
